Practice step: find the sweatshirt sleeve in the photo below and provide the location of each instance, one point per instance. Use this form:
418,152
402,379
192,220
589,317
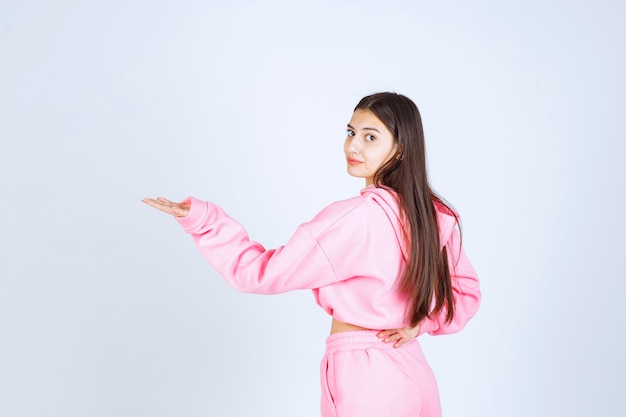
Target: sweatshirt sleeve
246,265
466,291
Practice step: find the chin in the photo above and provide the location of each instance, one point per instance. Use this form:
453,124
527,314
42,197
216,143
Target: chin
354,174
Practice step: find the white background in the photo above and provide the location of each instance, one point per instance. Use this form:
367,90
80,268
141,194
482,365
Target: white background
106,308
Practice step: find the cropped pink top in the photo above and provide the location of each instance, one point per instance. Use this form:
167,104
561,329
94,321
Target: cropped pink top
351,255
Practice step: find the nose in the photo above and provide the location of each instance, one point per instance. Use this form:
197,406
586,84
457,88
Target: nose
351,146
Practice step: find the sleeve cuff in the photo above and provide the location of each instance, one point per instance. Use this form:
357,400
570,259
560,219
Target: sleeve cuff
197,216
427,326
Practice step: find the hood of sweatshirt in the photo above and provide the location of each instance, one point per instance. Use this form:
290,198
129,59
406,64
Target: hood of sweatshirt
387,200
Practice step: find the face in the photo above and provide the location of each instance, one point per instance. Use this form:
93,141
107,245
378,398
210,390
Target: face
369,144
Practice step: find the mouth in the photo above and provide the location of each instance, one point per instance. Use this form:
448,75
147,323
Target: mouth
353,161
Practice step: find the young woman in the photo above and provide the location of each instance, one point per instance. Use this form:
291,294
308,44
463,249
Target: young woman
390,258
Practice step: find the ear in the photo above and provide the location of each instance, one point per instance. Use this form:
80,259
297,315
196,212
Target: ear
398,151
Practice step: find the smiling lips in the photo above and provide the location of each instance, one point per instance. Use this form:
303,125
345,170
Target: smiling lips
354,161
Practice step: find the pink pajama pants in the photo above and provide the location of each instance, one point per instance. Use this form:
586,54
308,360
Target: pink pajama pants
363,377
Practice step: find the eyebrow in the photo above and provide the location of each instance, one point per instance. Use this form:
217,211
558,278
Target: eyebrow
365,128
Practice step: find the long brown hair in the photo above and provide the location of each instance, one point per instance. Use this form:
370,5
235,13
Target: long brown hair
426,277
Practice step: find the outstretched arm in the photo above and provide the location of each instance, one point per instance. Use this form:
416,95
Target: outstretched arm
247,265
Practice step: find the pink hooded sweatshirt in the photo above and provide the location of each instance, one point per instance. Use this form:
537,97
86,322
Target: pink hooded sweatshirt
351,255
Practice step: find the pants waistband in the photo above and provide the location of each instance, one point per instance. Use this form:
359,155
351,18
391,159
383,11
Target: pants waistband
356,339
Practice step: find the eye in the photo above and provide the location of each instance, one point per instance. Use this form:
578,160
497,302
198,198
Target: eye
350,132
370,138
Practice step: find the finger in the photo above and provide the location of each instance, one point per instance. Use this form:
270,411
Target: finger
392,338
386,333
164,200
158,205
400,342
153,203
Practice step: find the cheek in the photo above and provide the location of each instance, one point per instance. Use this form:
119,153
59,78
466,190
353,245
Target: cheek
380,159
